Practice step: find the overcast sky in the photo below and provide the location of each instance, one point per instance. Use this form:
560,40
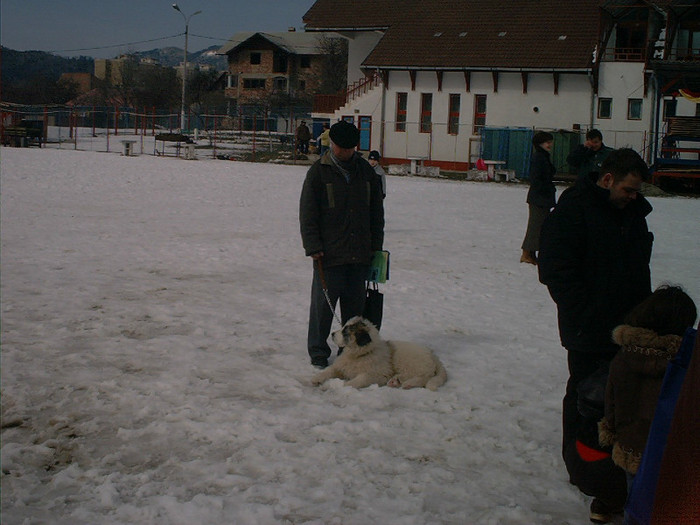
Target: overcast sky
104,29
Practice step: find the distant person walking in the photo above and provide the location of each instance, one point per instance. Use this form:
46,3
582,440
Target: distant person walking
540,196
589,156
303,137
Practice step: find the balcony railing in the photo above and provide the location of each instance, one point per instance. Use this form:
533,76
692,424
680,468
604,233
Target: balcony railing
689,55
624,54
330,103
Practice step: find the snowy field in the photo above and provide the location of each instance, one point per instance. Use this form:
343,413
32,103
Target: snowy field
154,365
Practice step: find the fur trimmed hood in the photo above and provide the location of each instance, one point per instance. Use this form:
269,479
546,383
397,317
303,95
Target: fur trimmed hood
645,351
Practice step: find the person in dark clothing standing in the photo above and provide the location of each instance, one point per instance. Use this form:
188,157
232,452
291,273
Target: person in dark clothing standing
303,137
341,215
540,197
589,156
595,249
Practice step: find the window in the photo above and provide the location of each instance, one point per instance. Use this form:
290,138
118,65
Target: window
279,63
670,108
479,113
426,112
255,57
253,83
604,108
634,109
279,84
231,81
688,45
302,85
453,122
401,105
305,61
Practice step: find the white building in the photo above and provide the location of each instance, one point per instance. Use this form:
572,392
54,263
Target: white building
429,75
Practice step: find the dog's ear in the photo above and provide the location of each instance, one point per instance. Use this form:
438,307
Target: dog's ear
362,338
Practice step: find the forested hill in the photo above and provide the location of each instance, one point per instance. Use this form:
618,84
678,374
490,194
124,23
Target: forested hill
19,67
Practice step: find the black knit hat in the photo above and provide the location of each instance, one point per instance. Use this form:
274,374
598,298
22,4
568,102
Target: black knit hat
345,135
541,137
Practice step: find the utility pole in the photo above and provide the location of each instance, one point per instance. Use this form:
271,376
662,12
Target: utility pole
184,66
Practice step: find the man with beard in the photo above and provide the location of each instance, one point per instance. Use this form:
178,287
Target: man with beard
594,257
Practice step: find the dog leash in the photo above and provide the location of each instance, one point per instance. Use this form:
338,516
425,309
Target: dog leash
324,286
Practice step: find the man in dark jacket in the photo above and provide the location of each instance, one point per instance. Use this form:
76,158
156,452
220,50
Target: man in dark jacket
589,156
303,137
594,257
341,214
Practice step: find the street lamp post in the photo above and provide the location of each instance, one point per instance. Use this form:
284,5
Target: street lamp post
184,65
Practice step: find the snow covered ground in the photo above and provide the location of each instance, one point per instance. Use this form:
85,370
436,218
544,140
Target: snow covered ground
154,365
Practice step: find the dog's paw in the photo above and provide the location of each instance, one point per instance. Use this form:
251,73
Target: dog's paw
414,382
319,379
394,382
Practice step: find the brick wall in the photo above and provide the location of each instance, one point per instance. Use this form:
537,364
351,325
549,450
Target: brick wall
240,64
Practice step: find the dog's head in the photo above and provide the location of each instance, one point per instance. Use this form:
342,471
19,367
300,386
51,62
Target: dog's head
356,335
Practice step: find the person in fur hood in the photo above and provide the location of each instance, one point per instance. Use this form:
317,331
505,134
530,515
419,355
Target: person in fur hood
649,339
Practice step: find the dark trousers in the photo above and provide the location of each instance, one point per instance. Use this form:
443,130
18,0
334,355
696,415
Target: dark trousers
581,365
536,217
345,283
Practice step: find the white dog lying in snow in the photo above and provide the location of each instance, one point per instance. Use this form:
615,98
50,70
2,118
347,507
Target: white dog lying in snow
367,360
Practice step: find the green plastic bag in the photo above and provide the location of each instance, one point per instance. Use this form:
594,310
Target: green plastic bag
379,267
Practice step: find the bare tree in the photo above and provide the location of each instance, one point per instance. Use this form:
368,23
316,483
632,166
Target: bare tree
157,86
335,64
202,91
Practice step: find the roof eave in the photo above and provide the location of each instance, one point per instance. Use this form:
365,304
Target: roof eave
481,69
338,29
260,34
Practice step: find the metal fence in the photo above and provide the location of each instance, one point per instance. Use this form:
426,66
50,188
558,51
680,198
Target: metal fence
105,128
231,136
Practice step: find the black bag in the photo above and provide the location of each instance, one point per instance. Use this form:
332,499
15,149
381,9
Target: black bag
374,305
591,393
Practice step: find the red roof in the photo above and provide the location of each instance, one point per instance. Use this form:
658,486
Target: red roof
469,34
356,14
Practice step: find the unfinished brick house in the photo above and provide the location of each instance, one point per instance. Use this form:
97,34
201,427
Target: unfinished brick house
261,64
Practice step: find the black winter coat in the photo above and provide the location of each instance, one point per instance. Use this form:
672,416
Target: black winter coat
542,190
594,259
344,220
586,160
